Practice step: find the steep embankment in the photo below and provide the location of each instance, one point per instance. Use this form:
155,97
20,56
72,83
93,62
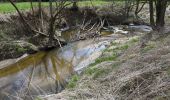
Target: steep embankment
126,70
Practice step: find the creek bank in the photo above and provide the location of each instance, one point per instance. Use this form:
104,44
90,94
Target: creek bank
101,81
12,30
77,55
71,55
135,73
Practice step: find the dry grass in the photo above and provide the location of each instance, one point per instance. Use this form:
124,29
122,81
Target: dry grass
143,76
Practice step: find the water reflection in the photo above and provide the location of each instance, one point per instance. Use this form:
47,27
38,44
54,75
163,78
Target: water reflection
35,74
46,72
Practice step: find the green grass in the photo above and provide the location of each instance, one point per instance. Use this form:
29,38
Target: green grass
148,48
123,47
73,81
94,3
103,59
97,72
114,55
134,40
118,48
8,8
90,70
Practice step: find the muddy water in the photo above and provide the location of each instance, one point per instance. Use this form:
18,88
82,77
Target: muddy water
34,75
73,57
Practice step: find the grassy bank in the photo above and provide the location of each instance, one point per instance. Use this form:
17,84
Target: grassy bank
8,8
136,73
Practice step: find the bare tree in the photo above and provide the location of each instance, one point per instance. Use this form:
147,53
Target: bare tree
55,18
138,7
56,15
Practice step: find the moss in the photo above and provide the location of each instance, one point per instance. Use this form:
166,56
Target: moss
73,81
20,49
12,47
17,48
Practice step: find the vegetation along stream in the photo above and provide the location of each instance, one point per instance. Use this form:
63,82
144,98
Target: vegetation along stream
38,74
84,49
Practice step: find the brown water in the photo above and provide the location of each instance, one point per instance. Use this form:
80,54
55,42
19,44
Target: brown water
37,74
46,72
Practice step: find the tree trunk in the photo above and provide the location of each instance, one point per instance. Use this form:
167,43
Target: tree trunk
152,21
160,12
51,30
137,7
51,25
32,8
39,7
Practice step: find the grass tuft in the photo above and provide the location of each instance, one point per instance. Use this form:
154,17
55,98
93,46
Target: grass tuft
134,40
73,81
100,72
90,70
147,48
96,72
103,59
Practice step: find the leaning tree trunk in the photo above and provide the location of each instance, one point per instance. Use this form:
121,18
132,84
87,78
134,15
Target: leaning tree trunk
137,7
160,12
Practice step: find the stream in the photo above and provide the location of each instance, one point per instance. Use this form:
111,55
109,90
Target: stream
37,75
